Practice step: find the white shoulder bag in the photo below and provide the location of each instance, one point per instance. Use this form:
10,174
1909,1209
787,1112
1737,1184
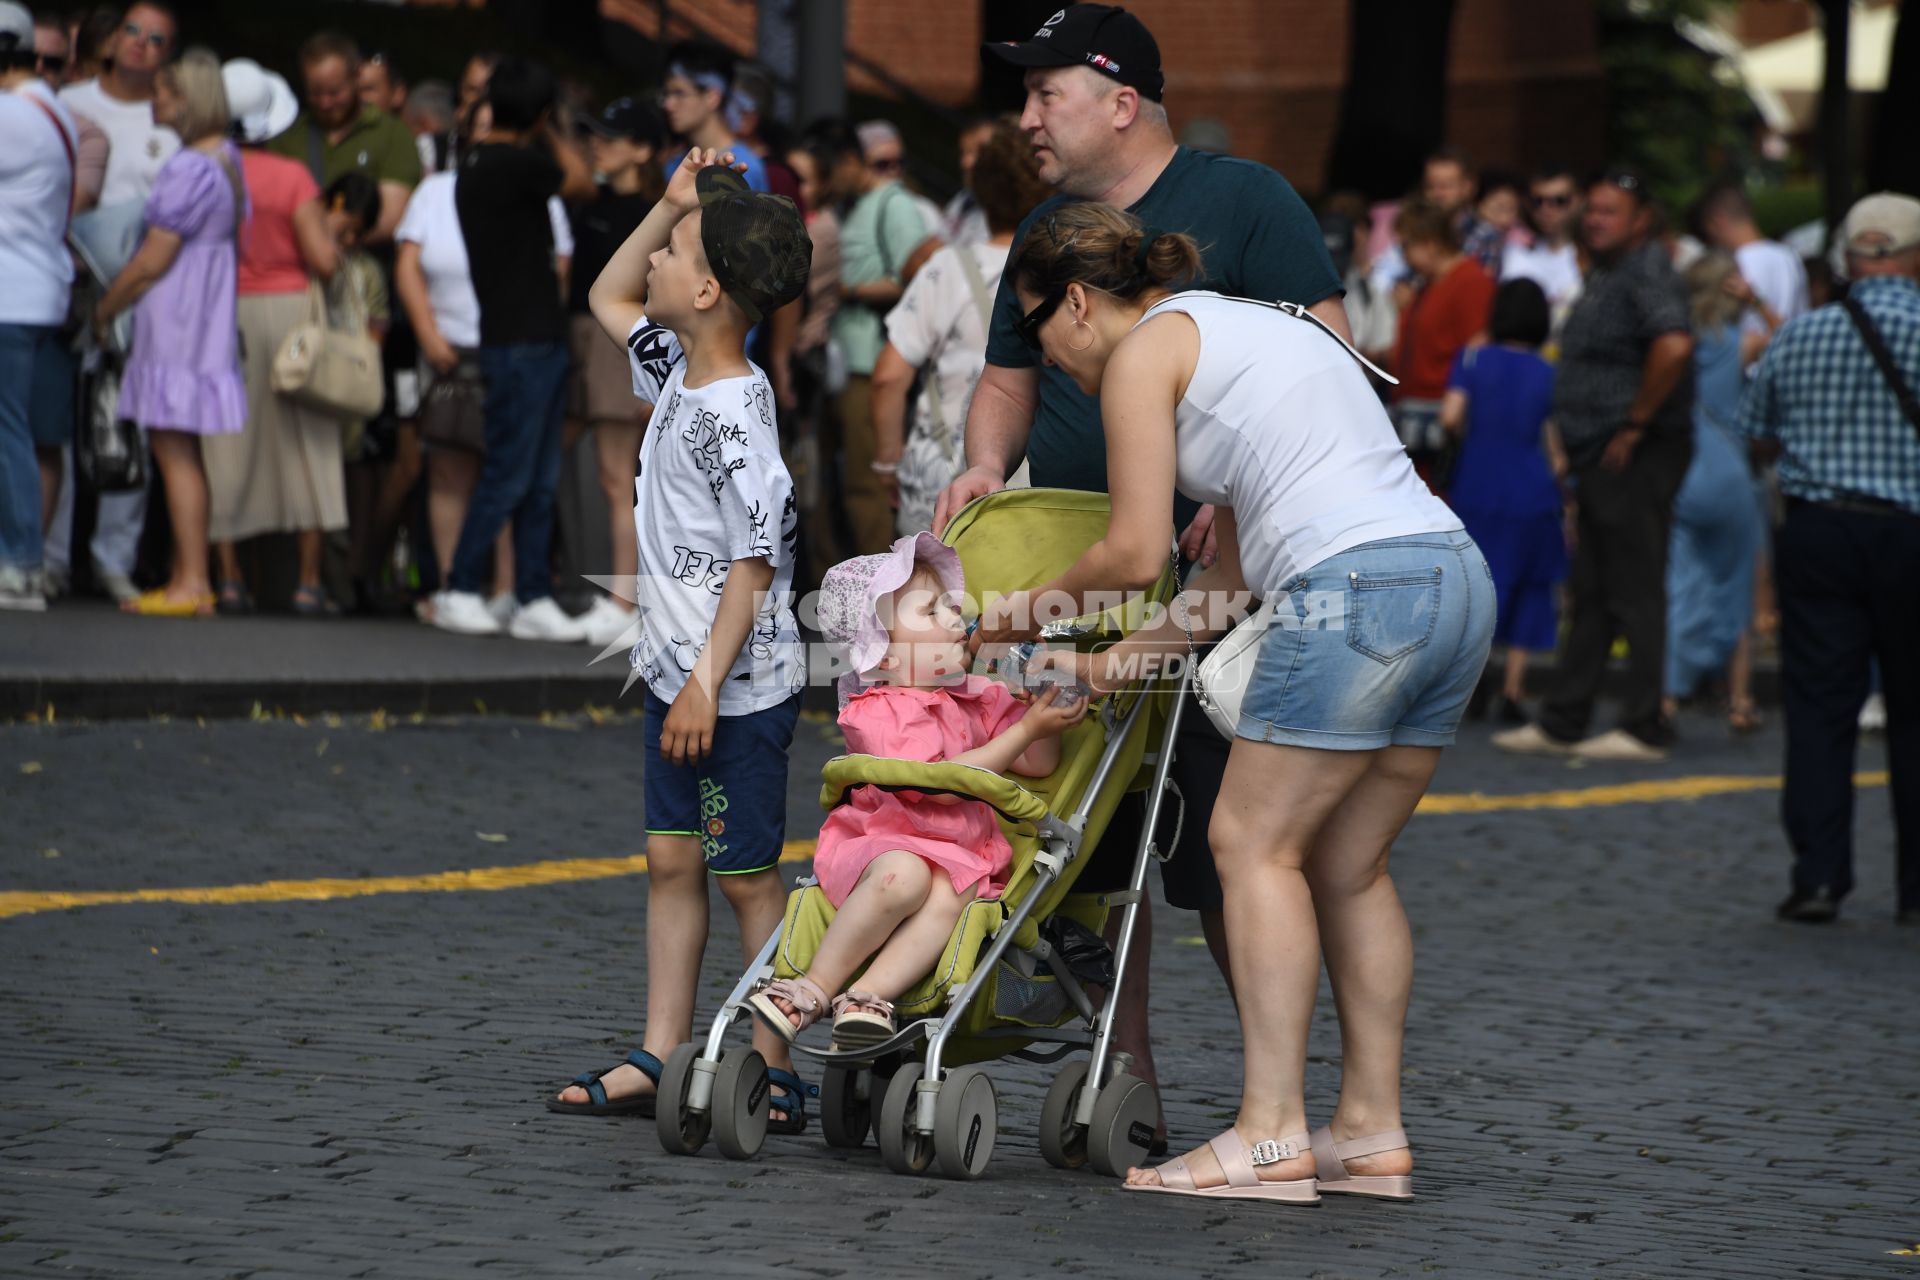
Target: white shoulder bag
330,370
1221,679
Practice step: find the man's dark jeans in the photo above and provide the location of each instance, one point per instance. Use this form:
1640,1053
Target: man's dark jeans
526,386
1619,588
1849,589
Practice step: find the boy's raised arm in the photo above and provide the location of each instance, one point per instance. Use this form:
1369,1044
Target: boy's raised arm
618,297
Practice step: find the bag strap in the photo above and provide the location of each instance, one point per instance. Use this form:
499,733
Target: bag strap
983,303
1299,312
66,145
982,300
1877,346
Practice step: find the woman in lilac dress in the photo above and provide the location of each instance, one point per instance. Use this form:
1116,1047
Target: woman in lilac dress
182,379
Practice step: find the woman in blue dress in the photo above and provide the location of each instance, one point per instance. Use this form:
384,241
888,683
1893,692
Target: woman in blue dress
1504,490
1717,522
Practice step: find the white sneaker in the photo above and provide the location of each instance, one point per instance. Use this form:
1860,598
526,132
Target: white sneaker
503,606
21,590
464,613
546,620
1618,744
118,586
607,622
1873,714
1531,740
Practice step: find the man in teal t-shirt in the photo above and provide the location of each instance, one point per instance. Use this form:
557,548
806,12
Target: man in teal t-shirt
1093,111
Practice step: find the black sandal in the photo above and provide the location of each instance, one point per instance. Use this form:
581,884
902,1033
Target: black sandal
789,1093
637,1104
234,598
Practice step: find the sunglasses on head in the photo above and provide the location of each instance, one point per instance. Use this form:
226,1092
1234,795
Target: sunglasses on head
155,39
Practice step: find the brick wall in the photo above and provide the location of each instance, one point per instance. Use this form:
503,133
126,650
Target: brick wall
1524,78
1524,81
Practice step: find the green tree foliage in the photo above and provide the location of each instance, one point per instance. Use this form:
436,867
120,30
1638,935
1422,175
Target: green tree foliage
1668,113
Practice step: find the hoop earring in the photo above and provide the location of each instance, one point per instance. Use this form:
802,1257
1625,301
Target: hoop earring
1077,326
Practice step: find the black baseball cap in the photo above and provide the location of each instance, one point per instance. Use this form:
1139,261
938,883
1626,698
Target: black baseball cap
1102,36
756,242
631,119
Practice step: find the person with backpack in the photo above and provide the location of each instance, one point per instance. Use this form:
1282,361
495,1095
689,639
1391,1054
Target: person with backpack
940,329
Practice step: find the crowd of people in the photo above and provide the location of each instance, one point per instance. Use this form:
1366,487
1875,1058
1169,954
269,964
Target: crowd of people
1584,387
364,213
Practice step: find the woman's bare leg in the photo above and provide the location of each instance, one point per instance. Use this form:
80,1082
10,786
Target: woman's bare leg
1368,946
451,476
1273,803
1514,683
178,455
309,543
227,556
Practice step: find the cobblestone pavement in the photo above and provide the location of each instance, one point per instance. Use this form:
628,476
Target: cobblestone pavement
1618,1065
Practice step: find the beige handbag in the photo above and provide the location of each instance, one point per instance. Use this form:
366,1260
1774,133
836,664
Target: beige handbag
330,370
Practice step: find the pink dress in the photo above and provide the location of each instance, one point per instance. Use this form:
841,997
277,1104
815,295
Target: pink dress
963,839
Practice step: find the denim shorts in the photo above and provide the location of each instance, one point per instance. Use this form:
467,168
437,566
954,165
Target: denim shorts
734,801
1378,645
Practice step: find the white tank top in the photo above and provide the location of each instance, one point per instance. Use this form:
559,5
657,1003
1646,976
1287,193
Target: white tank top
1280,423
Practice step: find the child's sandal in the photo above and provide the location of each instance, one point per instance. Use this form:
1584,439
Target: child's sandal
809,1001
861,1018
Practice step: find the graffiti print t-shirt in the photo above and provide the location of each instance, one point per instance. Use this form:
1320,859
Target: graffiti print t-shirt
712,489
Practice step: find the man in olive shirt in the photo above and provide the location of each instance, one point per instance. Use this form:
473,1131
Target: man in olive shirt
337,134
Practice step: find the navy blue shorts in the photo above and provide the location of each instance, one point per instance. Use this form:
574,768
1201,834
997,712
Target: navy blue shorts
735,800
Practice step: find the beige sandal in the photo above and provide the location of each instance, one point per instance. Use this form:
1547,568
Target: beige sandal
1240,1163
1330,1164
861,1018
809,1001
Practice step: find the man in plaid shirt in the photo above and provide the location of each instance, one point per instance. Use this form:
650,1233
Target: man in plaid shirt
1847,558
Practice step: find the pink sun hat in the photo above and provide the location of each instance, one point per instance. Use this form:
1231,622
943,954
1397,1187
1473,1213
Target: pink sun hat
851,592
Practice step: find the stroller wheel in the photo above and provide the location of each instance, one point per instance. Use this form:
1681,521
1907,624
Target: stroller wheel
903,1148
964,1123
1062,1142
1122,1126
682,1131
846,1106
739,1109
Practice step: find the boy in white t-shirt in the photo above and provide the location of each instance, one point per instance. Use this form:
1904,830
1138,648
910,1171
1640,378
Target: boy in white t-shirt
719,649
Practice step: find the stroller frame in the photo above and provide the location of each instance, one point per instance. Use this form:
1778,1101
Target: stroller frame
931,1113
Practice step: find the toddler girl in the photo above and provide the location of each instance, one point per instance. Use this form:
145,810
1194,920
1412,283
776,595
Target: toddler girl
899,867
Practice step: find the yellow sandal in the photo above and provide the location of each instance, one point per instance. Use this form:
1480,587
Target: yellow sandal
158,604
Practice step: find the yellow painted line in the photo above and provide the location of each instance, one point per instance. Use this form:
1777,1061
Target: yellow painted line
566,870
478,879
1694,788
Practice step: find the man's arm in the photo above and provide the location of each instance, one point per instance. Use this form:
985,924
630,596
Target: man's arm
1667,361
998,423
393,206
1332,312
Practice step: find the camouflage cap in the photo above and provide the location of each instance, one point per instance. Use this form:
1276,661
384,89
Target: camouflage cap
756,243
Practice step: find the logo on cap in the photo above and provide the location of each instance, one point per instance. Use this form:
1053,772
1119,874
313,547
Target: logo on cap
1105,63
1046,28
